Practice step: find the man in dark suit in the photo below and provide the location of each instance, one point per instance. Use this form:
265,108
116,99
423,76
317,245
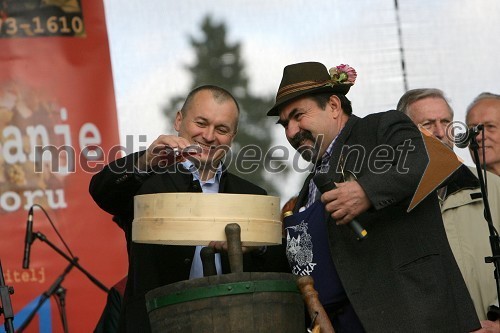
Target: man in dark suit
461,204
402,277
206,126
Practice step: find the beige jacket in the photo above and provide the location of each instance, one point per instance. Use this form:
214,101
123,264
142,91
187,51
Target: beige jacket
468,235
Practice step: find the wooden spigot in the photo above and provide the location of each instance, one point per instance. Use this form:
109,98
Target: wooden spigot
314,307
234,251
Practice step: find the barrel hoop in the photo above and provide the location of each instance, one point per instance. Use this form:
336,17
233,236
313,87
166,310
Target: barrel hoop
225,289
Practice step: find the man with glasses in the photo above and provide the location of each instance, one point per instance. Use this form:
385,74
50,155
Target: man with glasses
461,203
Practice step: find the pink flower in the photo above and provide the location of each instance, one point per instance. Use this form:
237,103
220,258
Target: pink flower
343,74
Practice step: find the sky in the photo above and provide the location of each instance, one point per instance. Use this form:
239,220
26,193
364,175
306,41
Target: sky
448,44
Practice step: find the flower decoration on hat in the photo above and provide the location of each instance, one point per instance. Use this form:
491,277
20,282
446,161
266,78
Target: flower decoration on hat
342,74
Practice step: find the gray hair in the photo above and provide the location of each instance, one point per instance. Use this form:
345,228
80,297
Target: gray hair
414,95
480,97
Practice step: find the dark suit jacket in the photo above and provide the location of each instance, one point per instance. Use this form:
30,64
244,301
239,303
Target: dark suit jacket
403,277
152,266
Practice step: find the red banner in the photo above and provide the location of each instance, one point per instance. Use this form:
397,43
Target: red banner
58,126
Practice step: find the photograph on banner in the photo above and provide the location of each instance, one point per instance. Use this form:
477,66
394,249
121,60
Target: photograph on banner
33,18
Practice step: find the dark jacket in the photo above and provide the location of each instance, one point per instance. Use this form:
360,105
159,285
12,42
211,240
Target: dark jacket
152,266
403,277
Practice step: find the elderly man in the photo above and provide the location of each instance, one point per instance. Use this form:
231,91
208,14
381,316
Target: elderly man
485,109
461,202
403,277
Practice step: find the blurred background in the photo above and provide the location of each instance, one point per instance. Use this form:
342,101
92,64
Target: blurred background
160,49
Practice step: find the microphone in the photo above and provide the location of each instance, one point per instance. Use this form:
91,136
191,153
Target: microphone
325,184
462,140
28,240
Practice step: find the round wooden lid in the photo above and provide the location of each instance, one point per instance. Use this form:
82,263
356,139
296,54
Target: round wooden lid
198,218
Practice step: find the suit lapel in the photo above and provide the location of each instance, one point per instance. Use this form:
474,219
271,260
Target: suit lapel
223,184
335,160
179,177
302,197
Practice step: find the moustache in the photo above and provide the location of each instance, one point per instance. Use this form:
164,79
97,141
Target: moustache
300,137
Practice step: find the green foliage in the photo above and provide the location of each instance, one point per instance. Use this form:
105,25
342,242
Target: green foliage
219,63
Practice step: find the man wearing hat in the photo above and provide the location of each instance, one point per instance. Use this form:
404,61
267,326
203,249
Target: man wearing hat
402,277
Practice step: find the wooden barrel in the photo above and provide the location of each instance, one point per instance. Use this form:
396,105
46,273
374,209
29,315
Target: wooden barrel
238,302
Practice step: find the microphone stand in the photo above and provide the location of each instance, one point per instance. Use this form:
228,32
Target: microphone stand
494,239
6,308
61,294
56,287
53,289
42,237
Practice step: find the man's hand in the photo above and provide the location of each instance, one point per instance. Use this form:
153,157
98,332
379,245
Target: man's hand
162,152
489,327
346,202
